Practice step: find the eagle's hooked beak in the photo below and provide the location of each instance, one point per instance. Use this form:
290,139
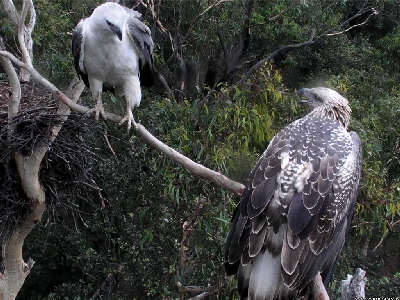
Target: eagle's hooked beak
303,95
115,29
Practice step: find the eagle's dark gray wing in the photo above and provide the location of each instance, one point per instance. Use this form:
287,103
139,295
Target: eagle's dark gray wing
317,249
78,52
140,34
304,182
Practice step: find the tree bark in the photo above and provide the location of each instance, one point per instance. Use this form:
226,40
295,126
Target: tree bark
24,30
353,287
15,269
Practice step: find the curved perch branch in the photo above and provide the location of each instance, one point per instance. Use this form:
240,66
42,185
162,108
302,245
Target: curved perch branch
193,167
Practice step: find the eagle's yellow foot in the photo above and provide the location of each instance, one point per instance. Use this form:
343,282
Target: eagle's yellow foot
98,110
128,118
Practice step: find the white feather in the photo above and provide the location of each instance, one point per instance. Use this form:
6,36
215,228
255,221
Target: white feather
265,277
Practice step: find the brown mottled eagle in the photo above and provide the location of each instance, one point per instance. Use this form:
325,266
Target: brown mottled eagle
295,212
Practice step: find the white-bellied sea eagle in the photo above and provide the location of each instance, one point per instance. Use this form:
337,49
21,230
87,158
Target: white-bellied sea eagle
113,50
294,214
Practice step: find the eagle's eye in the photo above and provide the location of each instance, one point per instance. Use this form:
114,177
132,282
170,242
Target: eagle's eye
316,98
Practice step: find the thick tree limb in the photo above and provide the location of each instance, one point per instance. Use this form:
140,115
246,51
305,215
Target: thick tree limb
193,167
15,269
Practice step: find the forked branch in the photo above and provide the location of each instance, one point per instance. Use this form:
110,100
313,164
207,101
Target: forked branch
282,52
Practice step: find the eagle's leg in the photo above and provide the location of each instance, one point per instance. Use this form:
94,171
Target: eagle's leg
133,95
96,87
128,117
99,108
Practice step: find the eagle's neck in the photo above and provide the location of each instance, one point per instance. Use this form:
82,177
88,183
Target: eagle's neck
337,113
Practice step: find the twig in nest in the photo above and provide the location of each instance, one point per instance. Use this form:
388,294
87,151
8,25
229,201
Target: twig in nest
108,143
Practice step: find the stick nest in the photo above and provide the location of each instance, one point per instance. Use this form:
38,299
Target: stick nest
67,170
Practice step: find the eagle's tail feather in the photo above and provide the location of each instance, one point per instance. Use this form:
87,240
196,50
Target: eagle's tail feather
265,277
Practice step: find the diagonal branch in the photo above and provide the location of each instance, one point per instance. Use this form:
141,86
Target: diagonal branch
283,51
193,167
277,53
373,12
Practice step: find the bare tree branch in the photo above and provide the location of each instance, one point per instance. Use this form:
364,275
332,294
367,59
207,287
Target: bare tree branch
386,234
279,52
283,51
373,12
24,30
165,85
108,143
35,74
27,6
13,103
11,12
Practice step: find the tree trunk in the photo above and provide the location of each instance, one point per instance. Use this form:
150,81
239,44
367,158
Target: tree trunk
16,270
24,75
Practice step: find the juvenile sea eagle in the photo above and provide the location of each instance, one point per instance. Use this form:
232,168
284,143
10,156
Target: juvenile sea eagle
295,212
113,50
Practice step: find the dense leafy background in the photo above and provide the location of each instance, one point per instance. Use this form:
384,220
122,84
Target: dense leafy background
131,232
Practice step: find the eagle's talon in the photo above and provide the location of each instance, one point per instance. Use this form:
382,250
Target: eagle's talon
99,109
128,118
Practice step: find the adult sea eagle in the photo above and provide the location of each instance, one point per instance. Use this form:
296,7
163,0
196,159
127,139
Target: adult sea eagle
113,50
295,212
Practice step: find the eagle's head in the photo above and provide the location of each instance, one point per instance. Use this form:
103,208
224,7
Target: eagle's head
326,102
108,19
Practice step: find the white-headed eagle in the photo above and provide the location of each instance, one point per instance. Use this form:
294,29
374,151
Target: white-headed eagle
295,212
113,50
